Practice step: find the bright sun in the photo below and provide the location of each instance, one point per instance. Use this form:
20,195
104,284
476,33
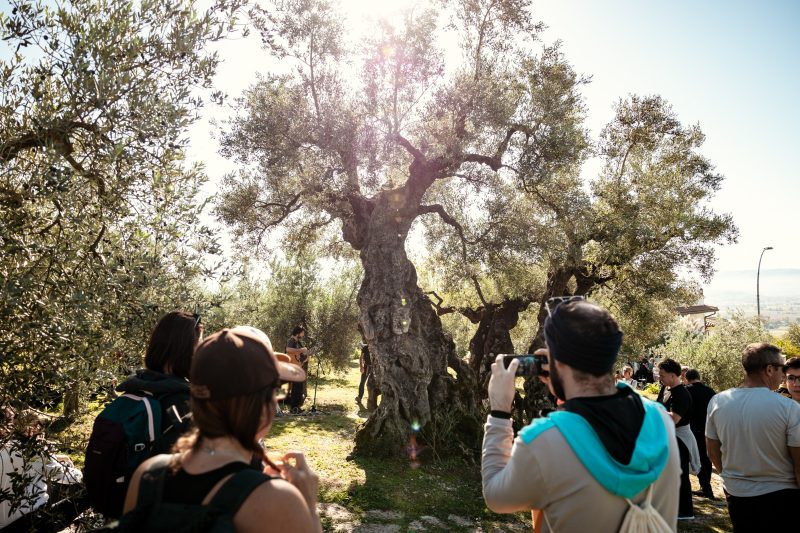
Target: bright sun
361,14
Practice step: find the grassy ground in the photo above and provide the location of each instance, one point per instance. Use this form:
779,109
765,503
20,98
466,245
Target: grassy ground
374,495
378,495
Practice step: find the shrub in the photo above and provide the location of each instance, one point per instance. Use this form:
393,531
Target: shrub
716,355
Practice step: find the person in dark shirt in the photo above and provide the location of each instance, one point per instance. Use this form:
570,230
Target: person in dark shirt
365,365
701,394
678,402
299,355
644,374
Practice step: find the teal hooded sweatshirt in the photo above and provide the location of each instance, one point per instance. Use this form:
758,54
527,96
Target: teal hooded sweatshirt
649,458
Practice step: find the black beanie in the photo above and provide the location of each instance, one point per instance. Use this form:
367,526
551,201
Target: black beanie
594,352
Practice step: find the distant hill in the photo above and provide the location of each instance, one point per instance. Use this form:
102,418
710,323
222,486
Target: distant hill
736,290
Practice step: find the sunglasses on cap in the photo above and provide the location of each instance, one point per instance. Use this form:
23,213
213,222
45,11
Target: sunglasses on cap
555,301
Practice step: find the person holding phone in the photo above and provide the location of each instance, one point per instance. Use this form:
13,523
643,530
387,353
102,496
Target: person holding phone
586,465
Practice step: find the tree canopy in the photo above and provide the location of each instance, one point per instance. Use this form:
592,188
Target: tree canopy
368,137
99,212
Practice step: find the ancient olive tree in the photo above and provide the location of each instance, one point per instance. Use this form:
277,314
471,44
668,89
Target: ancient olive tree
646,216
624,237
357,136
99,213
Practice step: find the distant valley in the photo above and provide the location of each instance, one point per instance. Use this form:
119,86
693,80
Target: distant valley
736,291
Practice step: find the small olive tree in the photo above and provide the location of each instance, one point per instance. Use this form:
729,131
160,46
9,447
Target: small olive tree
716,355
295,291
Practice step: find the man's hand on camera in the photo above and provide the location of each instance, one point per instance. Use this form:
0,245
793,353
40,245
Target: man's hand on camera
545,366
501,385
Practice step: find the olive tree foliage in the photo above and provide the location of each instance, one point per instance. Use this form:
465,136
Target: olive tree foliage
793,334
788,348
718,354
645,217
357,135
622,237
299,290
99,217
789,343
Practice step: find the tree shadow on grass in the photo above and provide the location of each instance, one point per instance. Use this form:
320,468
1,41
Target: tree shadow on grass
430,488
328,380
331,417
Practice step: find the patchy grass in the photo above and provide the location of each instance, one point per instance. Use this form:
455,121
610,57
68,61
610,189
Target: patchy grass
377,494
70,436
362,486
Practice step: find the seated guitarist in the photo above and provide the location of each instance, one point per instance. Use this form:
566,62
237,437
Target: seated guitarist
299,356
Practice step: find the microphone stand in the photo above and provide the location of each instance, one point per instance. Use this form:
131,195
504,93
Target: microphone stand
316,383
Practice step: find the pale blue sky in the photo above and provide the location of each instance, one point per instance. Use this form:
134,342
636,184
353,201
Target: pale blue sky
730,65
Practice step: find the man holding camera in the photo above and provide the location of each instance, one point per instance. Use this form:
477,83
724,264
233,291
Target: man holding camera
586,465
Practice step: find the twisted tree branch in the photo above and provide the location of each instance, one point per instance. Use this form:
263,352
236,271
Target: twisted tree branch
410,148
449,220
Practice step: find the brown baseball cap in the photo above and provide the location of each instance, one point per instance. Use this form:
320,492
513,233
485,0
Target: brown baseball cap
237,362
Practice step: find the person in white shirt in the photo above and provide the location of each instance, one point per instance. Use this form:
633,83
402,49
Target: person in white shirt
753,441
627,377
28,471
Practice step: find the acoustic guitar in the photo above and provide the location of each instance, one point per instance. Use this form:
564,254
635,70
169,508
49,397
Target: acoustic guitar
301,358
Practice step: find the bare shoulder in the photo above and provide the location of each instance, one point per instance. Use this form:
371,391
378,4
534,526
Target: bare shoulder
274,506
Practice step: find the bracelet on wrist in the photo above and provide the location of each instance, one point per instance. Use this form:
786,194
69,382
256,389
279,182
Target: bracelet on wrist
500,414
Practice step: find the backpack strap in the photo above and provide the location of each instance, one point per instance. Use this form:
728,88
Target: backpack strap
648,499
235,491
148,500
176,418
151,483
153,419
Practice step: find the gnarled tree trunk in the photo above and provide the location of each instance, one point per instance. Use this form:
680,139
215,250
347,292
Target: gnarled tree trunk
410,351
493,337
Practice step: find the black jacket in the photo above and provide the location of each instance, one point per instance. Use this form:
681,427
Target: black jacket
171,391
701,395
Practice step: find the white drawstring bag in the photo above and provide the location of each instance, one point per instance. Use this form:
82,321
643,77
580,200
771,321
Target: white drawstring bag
644,518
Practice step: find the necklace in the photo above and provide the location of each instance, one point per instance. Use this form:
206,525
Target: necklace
210,450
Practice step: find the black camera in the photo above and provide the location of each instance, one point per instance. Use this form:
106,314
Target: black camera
529,365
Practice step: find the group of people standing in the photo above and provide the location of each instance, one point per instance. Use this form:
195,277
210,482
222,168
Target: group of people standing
609,459
749,434
218,397
181,443
638,374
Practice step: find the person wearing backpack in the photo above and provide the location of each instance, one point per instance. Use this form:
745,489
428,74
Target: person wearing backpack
211,483
148,418
606,461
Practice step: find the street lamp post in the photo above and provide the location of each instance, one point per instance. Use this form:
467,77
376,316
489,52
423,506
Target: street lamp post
758,282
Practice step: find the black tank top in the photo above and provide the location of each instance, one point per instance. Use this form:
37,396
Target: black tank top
182,487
